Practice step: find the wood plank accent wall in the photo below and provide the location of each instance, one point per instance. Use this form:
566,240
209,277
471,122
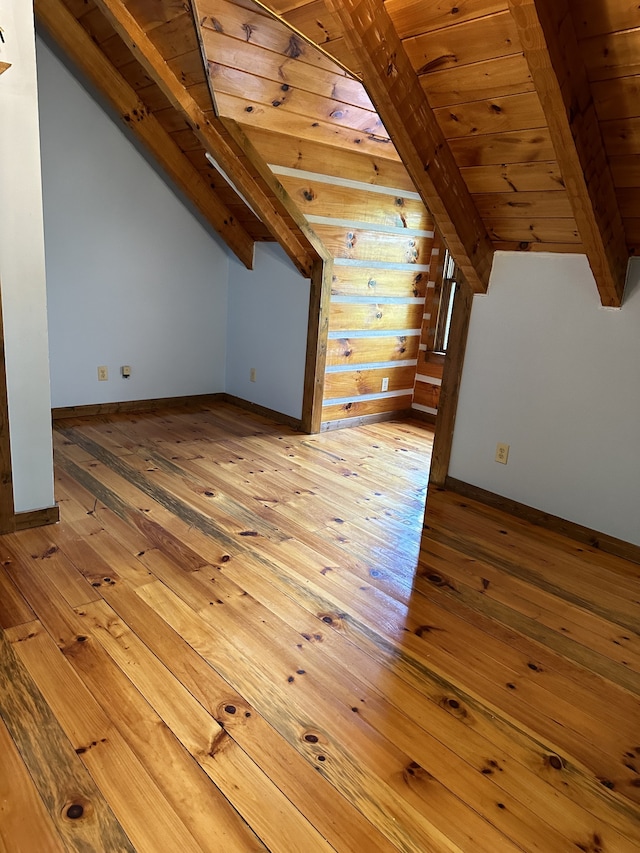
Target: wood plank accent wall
428,378
608,38
381,241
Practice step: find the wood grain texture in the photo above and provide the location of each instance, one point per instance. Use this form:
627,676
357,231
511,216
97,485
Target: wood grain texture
545,28
296,152
257,592
81,48
148,51
390,77
317,337
77,809
25,824
452,376
357,350
7,520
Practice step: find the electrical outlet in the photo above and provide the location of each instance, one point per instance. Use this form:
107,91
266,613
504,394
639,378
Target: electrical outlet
252,375
125,370
502,453
385,383
103,373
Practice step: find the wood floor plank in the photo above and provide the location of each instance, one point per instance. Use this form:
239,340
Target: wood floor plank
408,829
225,763
565,619
14,610
283,658
132,792
445,713
76,807
344,828
25,824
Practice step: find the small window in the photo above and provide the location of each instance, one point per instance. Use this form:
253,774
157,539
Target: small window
445,309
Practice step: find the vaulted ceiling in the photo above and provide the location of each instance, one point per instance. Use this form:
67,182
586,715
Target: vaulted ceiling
517,121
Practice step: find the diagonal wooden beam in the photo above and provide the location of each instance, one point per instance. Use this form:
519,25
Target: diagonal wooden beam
551,49
84,52
205,128
262,168
395,90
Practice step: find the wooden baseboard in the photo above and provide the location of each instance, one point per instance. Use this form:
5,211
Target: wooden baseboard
37,517
426,417
362,420
257,409
132,406
585,535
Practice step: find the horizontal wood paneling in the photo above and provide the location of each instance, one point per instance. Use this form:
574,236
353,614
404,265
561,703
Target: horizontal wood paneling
625,170
416,16
506,75
534,204
428,329
310,155
322,199
354,383
472,41
543,230
612,55
621,137
496,115
527,246
305,127
358,408
629,202
426,394
374,316
495,149
595,17
364,245
317,94
430,367
376,281
514,177
363,350
614,99
632,227
234,25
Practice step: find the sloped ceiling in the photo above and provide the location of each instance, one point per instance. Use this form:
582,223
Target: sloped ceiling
518,121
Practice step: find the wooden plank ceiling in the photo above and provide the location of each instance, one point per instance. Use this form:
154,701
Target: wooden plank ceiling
496,74
518,120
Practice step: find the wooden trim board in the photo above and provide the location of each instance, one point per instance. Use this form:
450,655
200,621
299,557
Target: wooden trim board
343,423
37,517
7,508
450,389
132,406
585,535
153,405
257,409
425,417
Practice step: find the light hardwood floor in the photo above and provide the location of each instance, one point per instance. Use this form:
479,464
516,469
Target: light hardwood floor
236,640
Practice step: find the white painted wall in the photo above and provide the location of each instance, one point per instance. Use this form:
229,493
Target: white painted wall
556,376
267,330
133,277
22,271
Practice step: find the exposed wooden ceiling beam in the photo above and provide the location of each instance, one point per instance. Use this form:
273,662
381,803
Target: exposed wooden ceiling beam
266,174
551,49
79,46
401,102
143,49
